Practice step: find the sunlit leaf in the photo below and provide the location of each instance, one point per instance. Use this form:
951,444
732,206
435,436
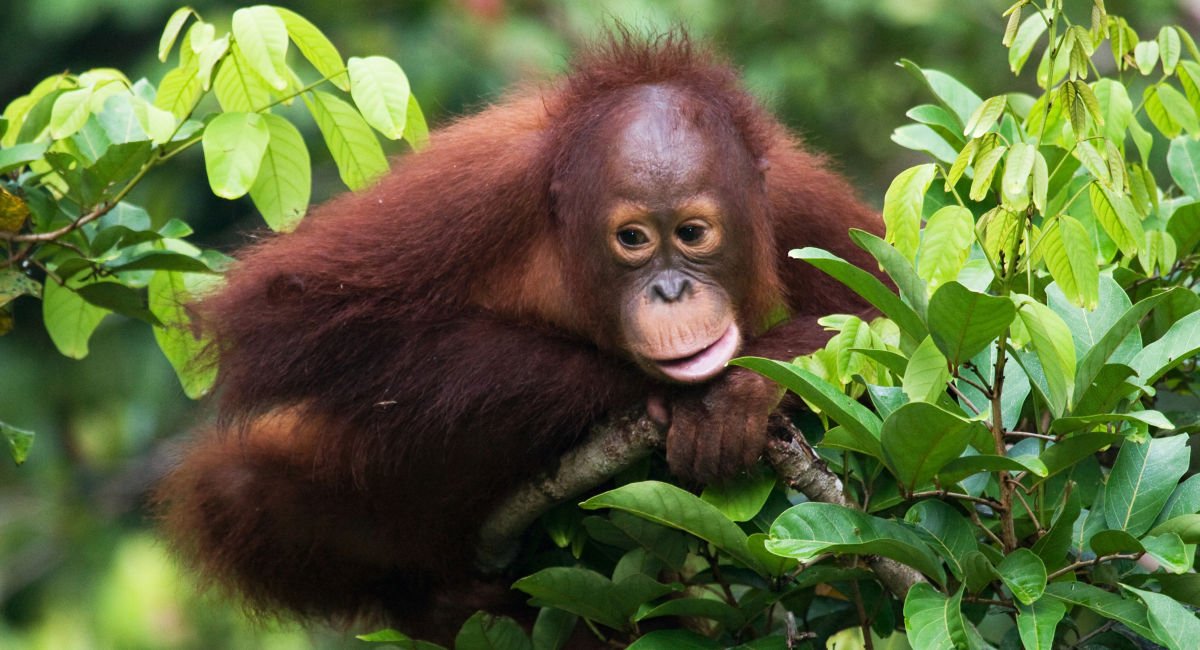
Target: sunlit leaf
234,144
355,150
282,189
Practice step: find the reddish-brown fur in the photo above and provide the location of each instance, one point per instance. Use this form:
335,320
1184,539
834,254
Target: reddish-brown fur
412,352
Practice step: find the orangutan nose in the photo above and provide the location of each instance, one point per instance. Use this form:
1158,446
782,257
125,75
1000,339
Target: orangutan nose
671,286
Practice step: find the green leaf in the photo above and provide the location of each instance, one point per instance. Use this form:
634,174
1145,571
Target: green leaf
898,268
934,622
1024,574
966,466
741,497
985,170
920,137
1148,417
1183,161
161,260
1064,454
1186,527
674,640
70,320
986,116
1115,108
169,293
1109,605
416,132
209,56
1169,48
1112,341
380,90
918,440
710,608
179,91
70,112
1177,345
867,286
355,150
1070,257
945,244
963,322
671,506
1184,501
399,639
553,629
1028,33
486,632
19,441
948,531
1145,55
14,284
810,529
1169,110
1018,167
1037,621
315,47
1116,214
1174,625
1088,326
582,592
171,31
927,373
1170,552
234,145
1055,349
262,38
853,416
282,189
950,92
1142,478
18,156
238,88
902,205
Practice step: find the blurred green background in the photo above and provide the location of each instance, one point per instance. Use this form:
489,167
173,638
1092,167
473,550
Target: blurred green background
80,566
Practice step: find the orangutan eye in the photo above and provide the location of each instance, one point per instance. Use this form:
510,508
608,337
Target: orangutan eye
690,234
632,237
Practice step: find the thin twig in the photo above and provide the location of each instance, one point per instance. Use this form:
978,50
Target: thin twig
1071,568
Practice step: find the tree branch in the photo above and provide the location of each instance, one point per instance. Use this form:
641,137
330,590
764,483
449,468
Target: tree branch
623,440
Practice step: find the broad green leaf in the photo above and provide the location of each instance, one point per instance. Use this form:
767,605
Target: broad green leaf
671,506
1088,326
920,137
208,59
918,440
484,631
945,244
1174,625
867,286
1024,574
1169,48
963,322
741,497
580,591
729,617
898,268
959,167
69,319
985,171
553,629
949,91
1177,345
1142,478
117,297
1145,55
180,90
1018,168
1070,257
1186,527
171,31
315,47
1148,417
1054,347
70,112
1169,110
1115,108
986,116
355,150
1184,501
811,529
1054,546
934,622
1028,33
18,441
282,189
169,292
1158,253
1064,454
234,144
237,86
14,284
160,260
1037,621
948,531
20,155
1116,214
1114,340
674,640
262,38
902,205
1169,550
380,90
927,373
1183,161
1109,605
853,416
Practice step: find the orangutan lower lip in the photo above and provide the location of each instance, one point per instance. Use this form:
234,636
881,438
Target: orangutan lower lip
706,363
